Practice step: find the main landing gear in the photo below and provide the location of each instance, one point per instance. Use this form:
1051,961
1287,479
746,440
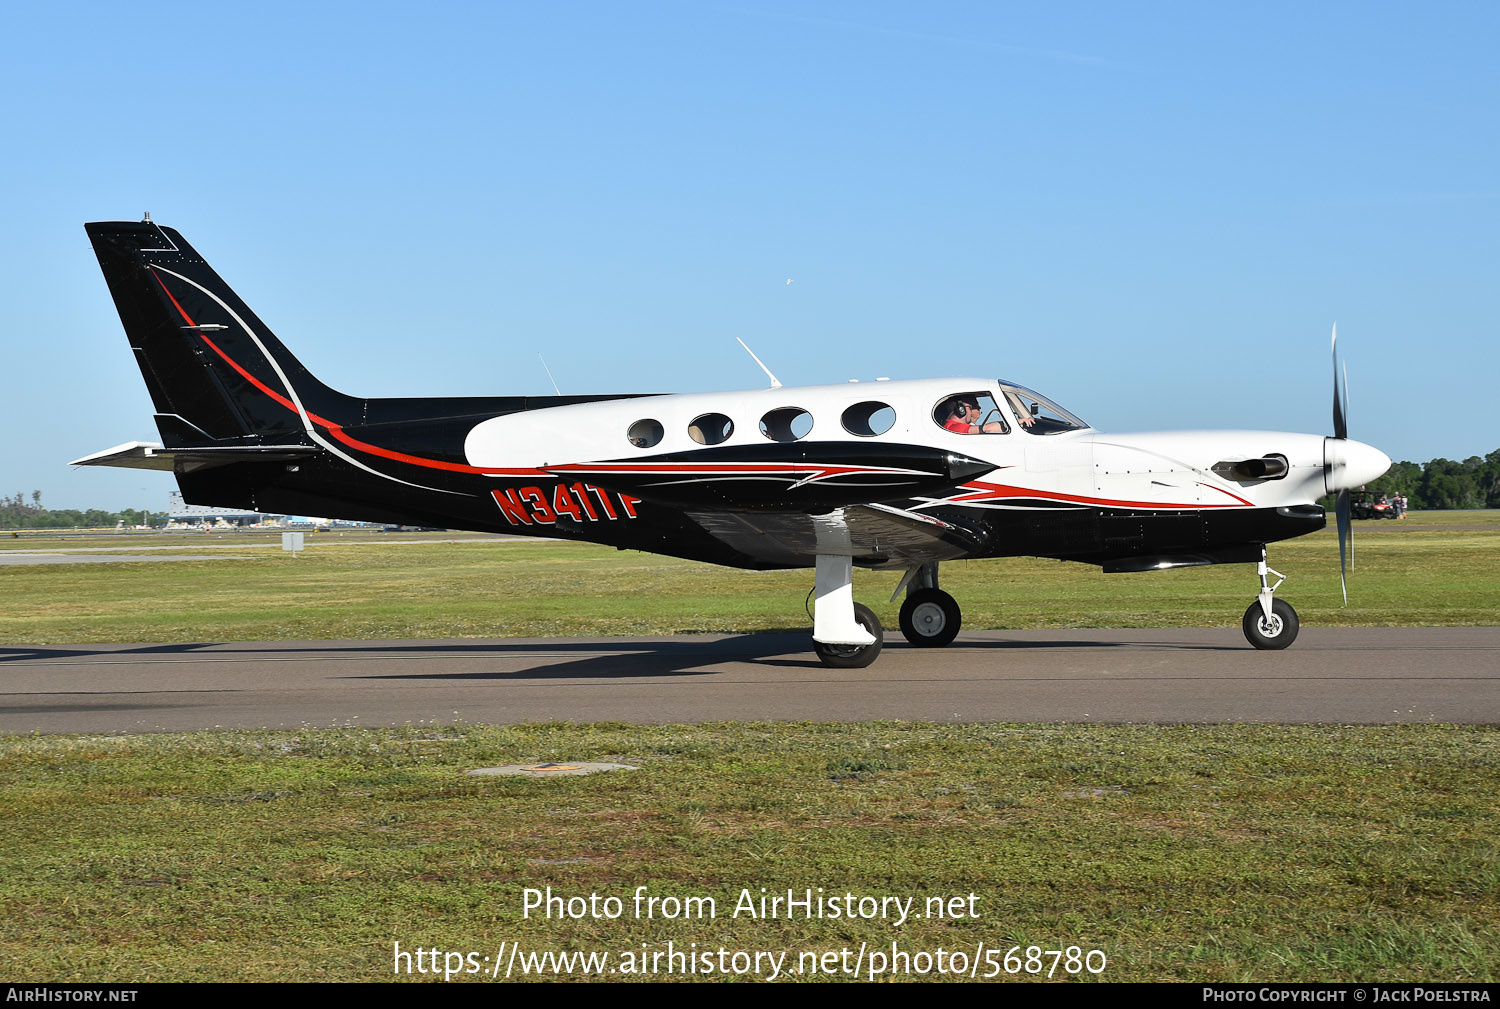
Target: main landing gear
847,635
1270,623
853,656
930,617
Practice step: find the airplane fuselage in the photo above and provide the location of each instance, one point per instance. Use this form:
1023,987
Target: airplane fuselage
1127,502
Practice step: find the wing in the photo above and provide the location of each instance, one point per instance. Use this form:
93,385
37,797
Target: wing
784,504
875,535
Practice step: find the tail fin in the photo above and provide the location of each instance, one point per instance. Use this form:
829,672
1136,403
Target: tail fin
215,372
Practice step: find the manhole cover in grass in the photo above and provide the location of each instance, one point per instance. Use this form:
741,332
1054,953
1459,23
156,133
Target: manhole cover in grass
551,770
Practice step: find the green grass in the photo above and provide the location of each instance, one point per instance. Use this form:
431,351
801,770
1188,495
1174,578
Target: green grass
1222,853
1436,568
1204,853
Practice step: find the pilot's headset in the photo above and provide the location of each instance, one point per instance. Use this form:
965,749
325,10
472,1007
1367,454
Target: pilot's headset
961,408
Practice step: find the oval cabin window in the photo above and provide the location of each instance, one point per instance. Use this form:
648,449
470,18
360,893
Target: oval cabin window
868,419
711,429
645,433
790,423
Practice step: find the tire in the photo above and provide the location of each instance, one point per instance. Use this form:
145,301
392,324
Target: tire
1282,630
930,618
854,656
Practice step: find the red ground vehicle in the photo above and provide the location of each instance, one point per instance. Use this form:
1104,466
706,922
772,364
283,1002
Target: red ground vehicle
1367,505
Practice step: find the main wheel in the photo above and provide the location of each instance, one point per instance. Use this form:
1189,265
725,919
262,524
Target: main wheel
930,618
1278,632
854,656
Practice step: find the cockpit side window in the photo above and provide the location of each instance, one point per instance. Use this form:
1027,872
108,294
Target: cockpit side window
1038,414
970,413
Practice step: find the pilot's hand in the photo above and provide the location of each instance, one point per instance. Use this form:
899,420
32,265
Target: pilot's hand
1027,420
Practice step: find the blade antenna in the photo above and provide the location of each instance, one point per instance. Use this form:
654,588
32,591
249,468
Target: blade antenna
548,370
775,382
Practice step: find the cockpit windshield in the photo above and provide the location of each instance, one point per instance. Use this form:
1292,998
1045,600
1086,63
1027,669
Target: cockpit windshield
1037,413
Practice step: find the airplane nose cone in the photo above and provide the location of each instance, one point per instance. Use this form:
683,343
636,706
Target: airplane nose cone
1349,465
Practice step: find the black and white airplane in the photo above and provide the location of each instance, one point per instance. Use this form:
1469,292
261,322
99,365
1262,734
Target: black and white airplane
897,476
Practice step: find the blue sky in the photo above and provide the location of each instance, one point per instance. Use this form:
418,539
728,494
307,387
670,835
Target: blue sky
1151,212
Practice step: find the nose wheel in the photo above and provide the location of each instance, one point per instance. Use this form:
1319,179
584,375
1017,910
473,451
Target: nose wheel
930,618
1277,631
1270,623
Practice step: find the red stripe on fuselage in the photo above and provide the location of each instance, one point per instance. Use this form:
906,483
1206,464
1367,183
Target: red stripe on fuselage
722,467
1000,492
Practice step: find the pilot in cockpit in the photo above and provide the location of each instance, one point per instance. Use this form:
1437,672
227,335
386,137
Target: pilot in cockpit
961,416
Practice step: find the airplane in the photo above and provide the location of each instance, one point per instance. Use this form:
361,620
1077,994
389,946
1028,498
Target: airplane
887,475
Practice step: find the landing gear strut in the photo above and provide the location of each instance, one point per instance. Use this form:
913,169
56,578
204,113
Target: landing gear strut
930,617
1270,623
846,635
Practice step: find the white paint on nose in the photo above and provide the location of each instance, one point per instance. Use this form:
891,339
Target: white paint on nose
1349,465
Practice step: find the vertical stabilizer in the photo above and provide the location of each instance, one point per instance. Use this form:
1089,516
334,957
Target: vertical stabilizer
214,370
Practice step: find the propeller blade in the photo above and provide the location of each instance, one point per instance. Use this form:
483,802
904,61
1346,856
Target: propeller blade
1345,365
1346,535
1340,397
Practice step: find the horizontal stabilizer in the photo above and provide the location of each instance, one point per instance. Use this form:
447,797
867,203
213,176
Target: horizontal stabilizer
150,455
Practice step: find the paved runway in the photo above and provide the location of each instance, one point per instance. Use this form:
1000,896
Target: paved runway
1363,675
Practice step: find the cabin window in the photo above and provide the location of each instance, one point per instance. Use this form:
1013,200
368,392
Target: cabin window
711,429
868,419
790,423
970,413
645,433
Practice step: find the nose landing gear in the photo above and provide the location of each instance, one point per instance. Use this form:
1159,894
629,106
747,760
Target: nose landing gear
1270,623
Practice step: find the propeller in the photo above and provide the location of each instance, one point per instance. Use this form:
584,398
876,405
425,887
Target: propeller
1346,465
1341,502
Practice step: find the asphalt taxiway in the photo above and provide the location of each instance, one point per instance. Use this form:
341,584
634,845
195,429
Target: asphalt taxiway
1338,675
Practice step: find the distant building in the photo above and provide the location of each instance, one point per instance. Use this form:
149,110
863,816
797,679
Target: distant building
183,515
180,513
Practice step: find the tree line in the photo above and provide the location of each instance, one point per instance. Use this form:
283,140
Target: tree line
1443,484
28,512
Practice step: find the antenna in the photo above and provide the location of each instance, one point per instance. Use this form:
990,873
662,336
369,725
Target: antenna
548,370
775,383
